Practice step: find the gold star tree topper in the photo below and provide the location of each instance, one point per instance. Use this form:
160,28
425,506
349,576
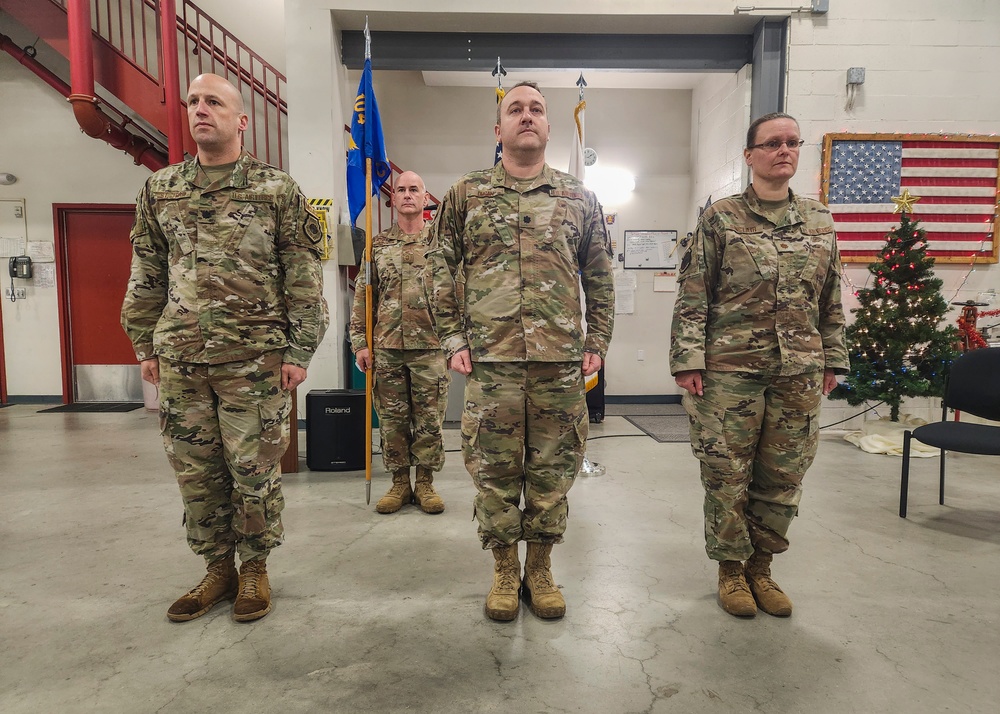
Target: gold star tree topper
904,203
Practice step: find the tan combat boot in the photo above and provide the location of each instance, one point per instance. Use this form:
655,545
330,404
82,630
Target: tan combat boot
539,589
398,494
424,494
219,584
501,603
766,592
734,594
254,598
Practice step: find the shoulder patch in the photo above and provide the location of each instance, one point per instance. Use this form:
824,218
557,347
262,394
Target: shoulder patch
313,229
686,261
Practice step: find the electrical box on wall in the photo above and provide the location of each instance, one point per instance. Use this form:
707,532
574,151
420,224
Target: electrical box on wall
856,75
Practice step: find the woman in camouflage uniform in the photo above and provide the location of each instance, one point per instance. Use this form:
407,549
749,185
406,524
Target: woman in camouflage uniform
757,336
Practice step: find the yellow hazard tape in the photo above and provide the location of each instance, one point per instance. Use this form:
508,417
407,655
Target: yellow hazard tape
322,207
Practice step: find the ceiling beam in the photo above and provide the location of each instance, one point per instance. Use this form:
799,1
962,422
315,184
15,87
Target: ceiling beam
767,79
478,51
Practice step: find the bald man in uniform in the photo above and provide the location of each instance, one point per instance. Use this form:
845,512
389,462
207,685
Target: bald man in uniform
225,310
411,372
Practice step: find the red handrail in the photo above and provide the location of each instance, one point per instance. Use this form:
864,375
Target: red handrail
121,35
131,29
234,60
121,133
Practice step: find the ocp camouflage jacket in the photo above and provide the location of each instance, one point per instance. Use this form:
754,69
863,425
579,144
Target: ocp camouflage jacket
224,271
757,296
524,255
401,289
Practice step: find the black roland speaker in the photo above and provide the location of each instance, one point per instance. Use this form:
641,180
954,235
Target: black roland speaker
335,429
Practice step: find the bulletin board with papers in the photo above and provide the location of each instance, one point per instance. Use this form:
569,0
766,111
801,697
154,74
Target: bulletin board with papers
650,250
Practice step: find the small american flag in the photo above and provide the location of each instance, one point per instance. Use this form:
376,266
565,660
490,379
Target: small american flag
956,180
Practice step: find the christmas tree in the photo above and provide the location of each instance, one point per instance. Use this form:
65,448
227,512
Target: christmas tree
896,347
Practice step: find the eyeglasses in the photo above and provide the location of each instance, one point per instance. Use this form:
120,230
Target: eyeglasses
773,145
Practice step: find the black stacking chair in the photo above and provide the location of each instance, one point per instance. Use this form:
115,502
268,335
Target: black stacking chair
973,387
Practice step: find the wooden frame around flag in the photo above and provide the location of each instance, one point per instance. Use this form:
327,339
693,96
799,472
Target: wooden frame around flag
956,177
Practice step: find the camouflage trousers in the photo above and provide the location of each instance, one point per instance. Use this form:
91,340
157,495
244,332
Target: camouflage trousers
755,437
225,428
411,394
524,429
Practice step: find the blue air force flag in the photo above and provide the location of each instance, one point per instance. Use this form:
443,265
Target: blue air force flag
366,142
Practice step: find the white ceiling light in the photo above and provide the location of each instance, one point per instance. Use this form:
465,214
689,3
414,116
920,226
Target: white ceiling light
613,185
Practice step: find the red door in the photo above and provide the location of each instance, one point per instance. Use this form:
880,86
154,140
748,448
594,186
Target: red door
93,256
94,268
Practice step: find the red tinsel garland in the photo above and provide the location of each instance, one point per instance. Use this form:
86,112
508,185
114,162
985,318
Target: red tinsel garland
972,337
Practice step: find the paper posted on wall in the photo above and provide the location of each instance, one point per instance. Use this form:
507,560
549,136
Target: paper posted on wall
625,285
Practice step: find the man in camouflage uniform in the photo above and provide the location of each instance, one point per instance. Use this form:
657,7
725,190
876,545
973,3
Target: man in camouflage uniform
225,309
526,237
411,372
758,334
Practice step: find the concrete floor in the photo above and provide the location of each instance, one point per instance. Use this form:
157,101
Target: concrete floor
384,613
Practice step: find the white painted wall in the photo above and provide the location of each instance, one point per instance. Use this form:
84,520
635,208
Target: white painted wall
444,132
42,145
259,24
649,134
318,163
720,115
929,68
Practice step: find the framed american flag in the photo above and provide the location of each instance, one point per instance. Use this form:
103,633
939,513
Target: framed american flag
955,180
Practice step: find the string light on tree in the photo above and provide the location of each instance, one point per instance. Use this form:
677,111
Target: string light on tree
896,347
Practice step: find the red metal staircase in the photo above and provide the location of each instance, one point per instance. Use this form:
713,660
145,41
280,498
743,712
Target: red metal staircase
127,56
128,63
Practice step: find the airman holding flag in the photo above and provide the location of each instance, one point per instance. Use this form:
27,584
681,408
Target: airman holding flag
367,169
411,372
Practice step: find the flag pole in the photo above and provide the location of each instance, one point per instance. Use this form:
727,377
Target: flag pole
499,72
368,331
588,467
370,372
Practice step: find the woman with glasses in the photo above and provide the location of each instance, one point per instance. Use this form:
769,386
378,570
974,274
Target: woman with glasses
757,336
